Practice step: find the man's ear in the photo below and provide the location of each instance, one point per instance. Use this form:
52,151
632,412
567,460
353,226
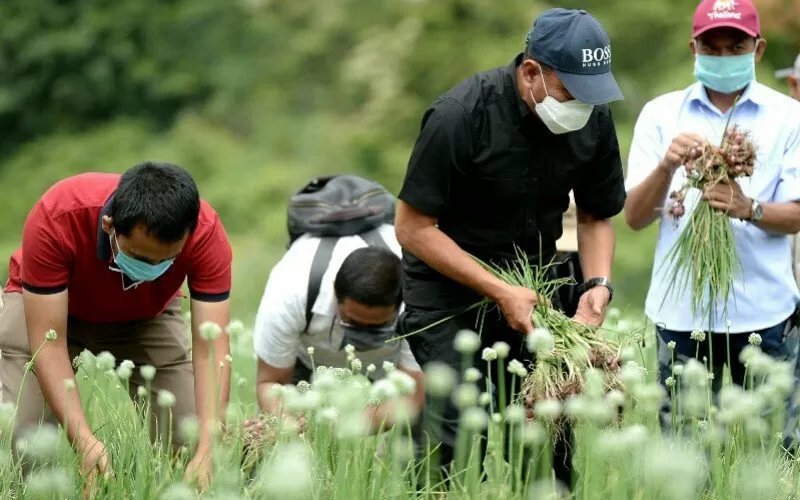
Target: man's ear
693,46
761,47
108,224
531,69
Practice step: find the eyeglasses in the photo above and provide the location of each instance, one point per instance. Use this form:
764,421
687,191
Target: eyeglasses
382,328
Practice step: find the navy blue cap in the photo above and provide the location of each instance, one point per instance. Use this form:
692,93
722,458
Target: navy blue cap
577,46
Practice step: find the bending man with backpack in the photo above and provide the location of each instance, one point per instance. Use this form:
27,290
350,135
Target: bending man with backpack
338,284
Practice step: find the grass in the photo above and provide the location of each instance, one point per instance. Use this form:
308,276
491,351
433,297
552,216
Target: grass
727,449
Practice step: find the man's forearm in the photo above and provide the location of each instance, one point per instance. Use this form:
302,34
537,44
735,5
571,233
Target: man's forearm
211,378
783,218
596,240
645,202
439,251
52,367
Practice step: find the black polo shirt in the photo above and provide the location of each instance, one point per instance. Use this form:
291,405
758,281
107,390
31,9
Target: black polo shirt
495,177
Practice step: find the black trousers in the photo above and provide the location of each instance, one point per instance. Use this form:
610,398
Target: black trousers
441,418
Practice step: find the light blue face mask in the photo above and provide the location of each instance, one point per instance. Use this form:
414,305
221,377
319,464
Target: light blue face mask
726,74
138,270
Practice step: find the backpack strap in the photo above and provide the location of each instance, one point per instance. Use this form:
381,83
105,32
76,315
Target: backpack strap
319,264
374,239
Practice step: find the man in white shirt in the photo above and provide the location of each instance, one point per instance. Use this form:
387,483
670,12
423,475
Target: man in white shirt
763,209
358,303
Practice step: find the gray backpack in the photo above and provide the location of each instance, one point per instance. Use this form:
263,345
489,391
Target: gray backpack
335,206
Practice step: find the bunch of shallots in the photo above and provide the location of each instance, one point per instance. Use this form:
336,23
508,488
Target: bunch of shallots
736,157
704,257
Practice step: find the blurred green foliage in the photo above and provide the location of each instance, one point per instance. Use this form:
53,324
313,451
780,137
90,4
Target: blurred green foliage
256,96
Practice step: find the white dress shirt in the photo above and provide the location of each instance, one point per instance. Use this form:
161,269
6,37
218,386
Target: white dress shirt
766,293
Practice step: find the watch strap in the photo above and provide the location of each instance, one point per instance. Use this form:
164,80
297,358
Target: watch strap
597,281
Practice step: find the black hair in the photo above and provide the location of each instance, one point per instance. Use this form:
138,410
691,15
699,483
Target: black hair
370,276
160,196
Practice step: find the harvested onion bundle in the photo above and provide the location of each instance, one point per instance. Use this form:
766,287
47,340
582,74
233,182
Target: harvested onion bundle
704,258
561,365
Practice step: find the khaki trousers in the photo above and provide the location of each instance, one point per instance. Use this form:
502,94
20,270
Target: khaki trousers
161,342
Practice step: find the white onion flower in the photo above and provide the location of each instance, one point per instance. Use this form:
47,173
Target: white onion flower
288,474
489,354
698,336
148,372
540,341
548,409
235,328
439,379
472,374
165,399
517,368
534,434
125,369
502,349
388,366
210,330
467,342
484,399
383,390
40,443
105,361
327,416
50,335
754,339
515,414
465,395
189,429
405,383
694,374
474,419
615,398
49,483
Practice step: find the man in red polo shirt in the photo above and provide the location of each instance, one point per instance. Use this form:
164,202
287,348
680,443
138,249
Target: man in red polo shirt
102,261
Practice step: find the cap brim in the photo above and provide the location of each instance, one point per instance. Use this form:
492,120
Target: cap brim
592,89
723,24
785,73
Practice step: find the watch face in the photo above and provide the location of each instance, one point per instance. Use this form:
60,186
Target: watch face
757,211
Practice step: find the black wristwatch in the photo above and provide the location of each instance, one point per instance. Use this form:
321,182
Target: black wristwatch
593,282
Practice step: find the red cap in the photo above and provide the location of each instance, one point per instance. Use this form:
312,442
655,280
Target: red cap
739,14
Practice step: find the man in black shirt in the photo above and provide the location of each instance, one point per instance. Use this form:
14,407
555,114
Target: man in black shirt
492,169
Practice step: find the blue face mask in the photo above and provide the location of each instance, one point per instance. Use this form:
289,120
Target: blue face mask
137,270
726,74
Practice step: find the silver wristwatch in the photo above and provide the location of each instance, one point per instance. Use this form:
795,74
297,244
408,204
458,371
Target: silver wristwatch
756,211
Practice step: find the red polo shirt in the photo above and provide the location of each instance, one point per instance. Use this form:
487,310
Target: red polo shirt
64,247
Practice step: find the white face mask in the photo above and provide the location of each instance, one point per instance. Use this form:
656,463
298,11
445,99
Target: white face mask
562,117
